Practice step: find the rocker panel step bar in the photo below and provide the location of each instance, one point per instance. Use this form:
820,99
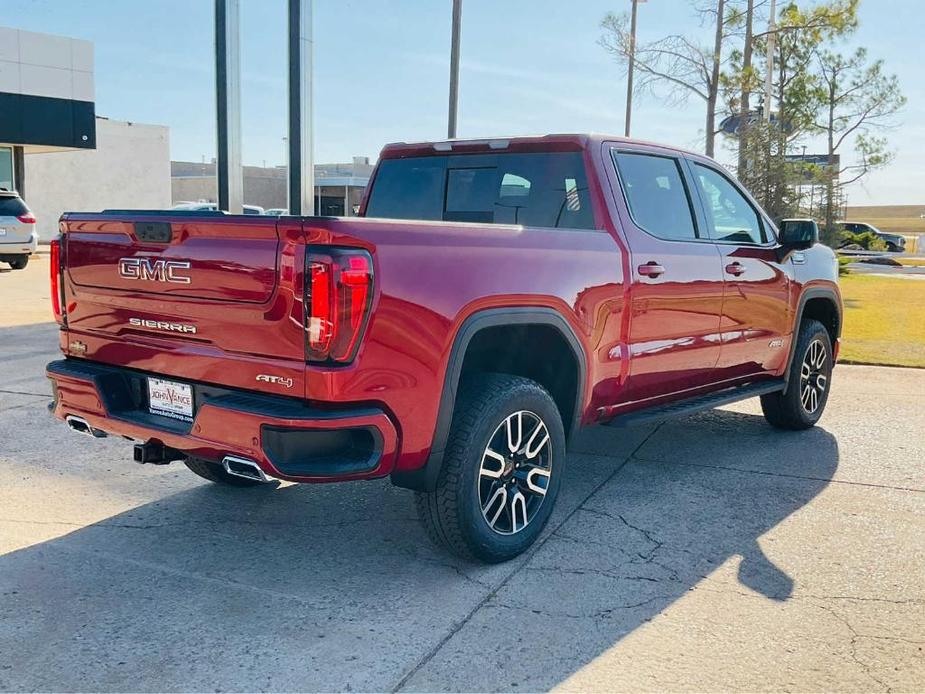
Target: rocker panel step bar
696,404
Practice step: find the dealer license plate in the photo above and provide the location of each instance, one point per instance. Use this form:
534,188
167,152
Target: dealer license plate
170,399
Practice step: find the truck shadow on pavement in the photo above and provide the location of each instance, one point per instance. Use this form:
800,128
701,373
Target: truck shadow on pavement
335,587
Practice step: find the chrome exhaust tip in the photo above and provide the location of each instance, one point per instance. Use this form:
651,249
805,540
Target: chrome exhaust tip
82,426
242,467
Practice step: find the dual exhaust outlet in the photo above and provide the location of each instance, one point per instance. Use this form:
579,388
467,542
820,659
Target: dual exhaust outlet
156,453
242,467
82,426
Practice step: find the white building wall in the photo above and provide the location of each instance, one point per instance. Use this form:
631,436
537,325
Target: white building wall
130,168
45,65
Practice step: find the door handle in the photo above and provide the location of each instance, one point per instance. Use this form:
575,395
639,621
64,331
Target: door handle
651,269
735,268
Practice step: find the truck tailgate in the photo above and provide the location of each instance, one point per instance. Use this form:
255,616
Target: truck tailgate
215,298
232,263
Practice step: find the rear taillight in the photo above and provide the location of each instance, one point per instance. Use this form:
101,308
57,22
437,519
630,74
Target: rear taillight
339,289
55,276
27,218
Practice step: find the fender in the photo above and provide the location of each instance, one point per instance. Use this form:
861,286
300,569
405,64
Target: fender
425,477
811,293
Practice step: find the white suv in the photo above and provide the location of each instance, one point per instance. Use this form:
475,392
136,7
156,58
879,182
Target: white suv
18,239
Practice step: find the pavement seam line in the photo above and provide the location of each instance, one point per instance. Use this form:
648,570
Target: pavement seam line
525,559
217,580
7,408
21,392
780,474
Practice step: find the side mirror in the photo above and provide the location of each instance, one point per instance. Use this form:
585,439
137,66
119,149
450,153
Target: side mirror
798,234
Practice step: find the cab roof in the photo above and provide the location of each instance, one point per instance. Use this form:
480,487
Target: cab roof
564,142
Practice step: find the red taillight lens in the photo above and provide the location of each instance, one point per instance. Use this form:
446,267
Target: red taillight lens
27,218
339,287
54,274
321,326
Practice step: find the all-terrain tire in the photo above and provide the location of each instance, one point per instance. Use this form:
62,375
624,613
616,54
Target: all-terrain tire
216,473
794,408
452,514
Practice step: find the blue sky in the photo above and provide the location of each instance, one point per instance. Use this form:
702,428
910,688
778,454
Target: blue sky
381,66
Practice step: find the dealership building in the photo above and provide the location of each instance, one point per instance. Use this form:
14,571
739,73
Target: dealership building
338,187
46,100
55,150
61,156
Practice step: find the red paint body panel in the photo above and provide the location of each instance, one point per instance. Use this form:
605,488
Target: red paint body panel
646,339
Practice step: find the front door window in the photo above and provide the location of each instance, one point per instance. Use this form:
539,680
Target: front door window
731,216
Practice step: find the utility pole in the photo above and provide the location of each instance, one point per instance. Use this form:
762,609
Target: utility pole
228,171
299,142
744,105
714,78
454,70
772,36
631,63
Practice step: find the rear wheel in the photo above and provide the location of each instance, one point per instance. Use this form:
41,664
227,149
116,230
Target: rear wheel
501,470
19,263
216,473
808,384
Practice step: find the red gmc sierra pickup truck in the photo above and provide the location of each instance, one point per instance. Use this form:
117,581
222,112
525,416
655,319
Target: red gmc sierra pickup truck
492,297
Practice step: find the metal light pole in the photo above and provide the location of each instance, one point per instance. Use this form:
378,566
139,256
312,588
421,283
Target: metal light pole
228,171
629,72
454,70
301,189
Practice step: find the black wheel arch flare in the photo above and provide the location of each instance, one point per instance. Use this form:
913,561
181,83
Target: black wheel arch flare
425,477
811,293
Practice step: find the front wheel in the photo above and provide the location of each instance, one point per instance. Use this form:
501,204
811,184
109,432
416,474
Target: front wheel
504,460
800,406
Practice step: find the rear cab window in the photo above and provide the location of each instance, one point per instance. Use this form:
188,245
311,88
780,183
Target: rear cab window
537,189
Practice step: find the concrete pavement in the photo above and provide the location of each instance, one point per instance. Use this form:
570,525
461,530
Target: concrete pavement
709,553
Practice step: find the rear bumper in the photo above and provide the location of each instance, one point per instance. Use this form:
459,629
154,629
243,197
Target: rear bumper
287,438
20,247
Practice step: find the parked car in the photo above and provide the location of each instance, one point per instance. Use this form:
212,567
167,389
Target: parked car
276,211
18,239
894,242
494,297
213,207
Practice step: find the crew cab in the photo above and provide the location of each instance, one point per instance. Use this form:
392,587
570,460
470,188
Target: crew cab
492,298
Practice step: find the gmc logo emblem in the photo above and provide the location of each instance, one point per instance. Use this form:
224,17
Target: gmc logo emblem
155,270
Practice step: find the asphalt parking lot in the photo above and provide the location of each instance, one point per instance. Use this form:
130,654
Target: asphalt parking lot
708,553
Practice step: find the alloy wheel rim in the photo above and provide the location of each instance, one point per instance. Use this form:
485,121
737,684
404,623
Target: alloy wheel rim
814,376
514,472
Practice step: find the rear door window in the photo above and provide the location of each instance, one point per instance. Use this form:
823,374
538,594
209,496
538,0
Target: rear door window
541,189
12,206
656,195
